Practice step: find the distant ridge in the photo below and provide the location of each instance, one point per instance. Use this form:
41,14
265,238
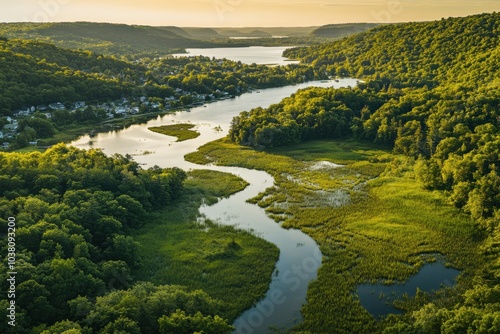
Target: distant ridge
342,30
105,38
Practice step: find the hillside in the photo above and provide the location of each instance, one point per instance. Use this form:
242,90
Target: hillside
342,30
202,33
105,38
413,54
268,31
34,73
431,93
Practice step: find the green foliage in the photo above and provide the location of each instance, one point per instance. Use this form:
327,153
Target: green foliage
436,84
180,323
433,94
79,217
181,131
73,212
231,265
370,225
35,73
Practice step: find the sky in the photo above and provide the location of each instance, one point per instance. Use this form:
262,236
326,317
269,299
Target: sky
238,13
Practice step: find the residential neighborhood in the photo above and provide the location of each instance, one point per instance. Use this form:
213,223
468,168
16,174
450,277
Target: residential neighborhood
85,111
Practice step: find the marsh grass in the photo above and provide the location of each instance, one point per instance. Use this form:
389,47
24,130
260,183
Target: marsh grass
381,233
181,131
229,264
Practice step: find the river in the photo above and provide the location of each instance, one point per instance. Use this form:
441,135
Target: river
299,258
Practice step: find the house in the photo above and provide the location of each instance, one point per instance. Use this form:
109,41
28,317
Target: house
121,110
134,110
10,127
1,134
34,143
22,112
48,115
79,104
5,145
57,106
42,107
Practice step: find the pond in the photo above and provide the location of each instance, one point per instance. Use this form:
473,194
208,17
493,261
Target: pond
377,298
261,55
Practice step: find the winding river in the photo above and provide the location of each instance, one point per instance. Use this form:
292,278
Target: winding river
299,258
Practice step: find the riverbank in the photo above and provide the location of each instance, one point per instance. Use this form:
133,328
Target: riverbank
229,264
371,218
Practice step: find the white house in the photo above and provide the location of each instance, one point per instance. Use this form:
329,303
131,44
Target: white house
57,106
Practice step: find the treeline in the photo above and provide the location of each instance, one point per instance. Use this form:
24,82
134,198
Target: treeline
74,211
107,38
204,75
432,92
311,113
34,73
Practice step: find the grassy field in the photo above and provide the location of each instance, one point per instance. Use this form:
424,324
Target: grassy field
181,131
371,218
231,265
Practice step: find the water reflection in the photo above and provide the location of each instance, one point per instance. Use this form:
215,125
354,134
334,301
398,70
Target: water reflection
377,298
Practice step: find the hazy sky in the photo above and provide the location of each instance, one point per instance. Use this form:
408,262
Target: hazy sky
238,13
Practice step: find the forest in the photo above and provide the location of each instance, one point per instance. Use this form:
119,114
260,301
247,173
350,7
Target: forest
431,92
77,216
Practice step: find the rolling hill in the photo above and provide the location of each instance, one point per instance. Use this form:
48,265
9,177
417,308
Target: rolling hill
342,30
105,38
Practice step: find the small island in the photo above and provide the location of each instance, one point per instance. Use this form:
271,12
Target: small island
181,131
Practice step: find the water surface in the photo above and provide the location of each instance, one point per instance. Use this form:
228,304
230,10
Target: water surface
261,55
377,298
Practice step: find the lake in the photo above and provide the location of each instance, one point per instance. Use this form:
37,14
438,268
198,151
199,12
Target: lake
262,55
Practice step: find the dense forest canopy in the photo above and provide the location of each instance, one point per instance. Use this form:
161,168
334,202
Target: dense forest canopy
33,73
431,92
74,212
